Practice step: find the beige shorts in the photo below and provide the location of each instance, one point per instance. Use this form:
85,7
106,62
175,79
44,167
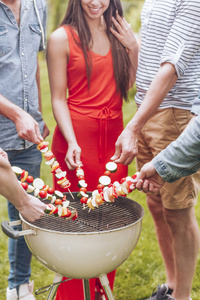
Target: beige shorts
163,128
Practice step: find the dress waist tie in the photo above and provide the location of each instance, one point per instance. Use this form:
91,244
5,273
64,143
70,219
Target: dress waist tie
103,115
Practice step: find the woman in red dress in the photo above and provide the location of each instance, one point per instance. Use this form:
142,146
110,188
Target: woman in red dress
92,58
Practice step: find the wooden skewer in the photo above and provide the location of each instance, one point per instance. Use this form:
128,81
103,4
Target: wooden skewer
71,193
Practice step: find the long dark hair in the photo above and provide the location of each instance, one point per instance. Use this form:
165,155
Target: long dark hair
75,18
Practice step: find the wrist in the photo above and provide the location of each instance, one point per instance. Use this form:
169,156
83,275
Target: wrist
17,115
134,126
72,143
133,49
21,200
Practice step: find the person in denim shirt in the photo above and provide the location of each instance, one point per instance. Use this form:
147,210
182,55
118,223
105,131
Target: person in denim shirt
22,36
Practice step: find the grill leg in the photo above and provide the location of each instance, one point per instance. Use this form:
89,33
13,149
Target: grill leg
54,288
86,289
106,286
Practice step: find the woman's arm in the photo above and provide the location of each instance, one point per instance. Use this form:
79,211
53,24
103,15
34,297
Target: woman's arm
127,38
57,58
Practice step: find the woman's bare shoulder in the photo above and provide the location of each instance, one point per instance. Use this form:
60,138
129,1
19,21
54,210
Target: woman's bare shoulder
58,41
58,35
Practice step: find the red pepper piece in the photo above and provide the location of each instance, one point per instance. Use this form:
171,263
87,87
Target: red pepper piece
75,216
22,174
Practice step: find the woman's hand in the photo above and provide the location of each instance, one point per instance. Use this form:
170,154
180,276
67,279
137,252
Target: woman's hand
124,32
73,156
127,38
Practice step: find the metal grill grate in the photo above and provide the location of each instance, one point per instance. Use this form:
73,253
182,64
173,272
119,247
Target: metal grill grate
108,216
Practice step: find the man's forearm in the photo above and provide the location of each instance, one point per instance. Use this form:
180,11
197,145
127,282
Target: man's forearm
7,179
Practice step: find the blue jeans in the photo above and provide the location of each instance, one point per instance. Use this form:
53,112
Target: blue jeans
18,252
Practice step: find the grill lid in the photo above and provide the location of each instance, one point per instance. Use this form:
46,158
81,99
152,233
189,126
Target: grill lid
109,216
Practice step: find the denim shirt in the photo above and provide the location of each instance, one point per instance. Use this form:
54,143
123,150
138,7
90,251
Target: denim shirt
182,157
19,46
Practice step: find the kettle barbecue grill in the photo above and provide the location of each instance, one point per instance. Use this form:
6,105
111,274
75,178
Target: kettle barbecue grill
91,246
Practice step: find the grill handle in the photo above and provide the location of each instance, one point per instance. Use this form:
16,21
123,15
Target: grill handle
14,234
9,231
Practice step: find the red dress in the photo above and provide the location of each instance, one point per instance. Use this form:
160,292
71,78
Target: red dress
97,120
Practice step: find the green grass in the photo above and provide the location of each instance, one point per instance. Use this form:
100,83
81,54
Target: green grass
140,273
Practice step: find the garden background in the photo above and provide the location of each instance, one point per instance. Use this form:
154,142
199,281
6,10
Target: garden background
143,270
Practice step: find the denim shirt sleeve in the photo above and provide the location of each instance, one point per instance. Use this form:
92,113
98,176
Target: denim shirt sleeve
182,157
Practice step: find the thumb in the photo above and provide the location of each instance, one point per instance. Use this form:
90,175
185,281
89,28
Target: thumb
38,133
117,153
141,175
77,157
